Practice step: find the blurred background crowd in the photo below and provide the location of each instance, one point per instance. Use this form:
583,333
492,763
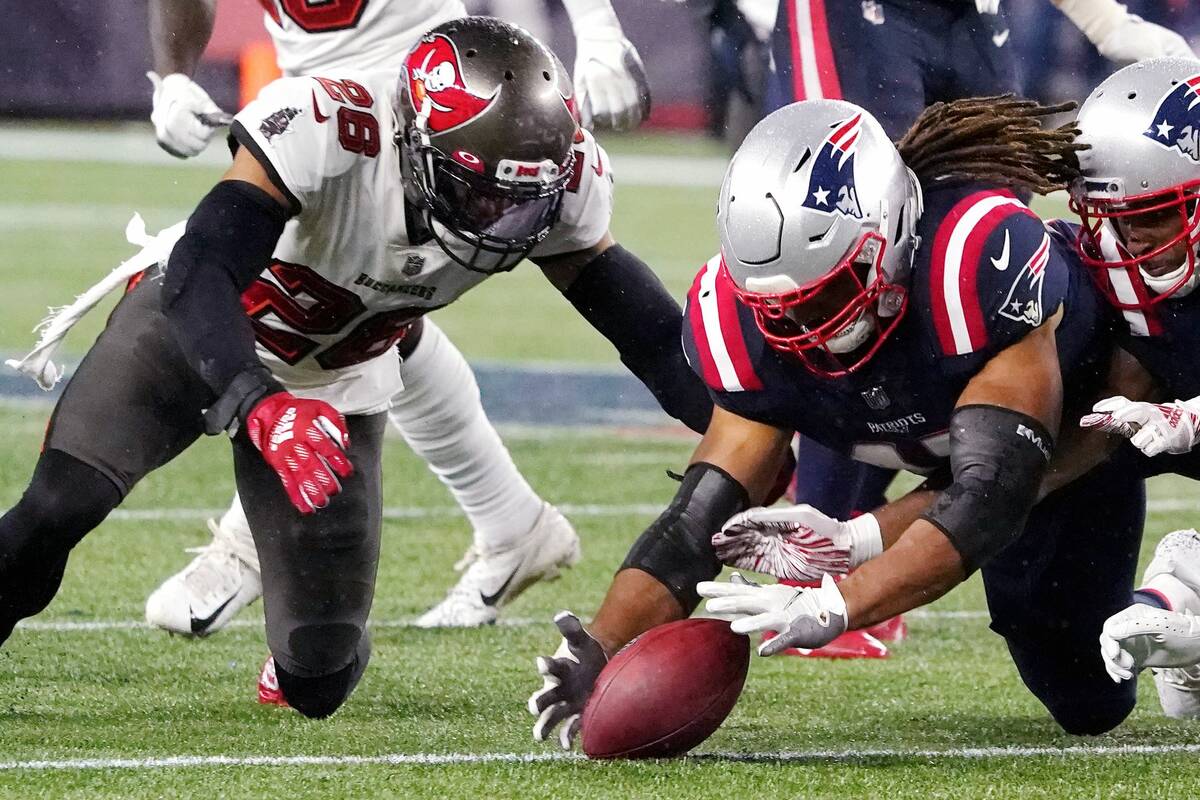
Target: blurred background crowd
83,59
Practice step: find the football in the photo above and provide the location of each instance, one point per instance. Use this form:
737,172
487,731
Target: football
667,691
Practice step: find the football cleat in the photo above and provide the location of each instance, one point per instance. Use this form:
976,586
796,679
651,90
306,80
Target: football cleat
892,630
269,693
492,580
1179,691
202,598
851,644
1178,555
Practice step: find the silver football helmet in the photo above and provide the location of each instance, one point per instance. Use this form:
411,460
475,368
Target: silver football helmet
1141,181
817,218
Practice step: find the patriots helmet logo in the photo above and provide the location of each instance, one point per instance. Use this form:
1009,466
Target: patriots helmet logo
1176,123
434,75
831,183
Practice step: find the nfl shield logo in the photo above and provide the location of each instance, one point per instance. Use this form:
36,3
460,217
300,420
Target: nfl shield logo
876,398
413,265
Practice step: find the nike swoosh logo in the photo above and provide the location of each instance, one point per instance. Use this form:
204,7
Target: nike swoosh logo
1000,38
1001,263
490,599
200,626
317,109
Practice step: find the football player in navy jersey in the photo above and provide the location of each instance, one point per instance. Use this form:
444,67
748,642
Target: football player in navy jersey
894,57
899,305
1139,200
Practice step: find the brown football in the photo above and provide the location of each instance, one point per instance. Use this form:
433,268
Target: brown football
667,691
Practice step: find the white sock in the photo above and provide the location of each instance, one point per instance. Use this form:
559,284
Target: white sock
235,528
440,416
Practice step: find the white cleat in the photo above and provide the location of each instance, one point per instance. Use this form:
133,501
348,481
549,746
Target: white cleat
492,580
1179,691
201,599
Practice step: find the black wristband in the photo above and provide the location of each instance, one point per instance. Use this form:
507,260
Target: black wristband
229,411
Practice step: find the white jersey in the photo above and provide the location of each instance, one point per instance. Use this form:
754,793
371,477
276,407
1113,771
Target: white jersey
346,276
321,36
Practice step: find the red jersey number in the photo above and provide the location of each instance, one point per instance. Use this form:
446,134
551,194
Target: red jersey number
317,16
308,303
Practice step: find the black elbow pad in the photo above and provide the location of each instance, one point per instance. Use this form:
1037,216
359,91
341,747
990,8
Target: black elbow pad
235,227
997,459
677,547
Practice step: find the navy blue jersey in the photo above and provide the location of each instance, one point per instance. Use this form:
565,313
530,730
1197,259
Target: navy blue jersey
892,57
1164,339
986,274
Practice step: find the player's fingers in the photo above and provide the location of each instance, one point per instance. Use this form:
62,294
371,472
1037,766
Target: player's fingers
1111,403
571,628
335,430
557,668
767,621
776,644
1149,440
715,589
549,720
1103,421
568,731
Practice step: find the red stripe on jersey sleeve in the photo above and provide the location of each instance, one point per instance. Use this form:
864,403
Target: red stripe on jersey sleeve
708,366
731,331
964,294
826,65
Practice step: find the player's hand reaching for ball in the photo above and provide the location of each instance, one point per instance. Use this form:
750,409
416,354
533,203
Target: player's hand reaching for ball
805,618
568,678
305,442
1153,428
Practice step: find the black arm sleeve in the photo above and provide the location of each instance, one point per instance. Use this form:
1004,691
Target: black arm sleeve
626,302
997,458
228,242
677,548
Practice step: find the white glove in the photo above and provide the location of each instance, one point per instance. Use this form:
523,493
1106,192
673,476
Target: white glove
760,15
567,681
804,618
797,543
987,6
1135,39
1119,35
185,118
611,90
1153,428
1144,636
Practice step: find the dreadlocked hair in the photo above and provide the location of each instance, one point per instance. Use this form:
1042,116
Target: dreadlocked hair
997,139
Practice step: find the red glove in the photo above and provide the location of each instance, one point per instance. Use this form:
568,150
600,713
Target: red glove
305,442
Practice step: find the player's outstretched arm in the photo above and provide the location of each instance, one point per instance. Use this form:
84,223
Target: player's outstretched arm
736,463
611,90
625,301
1000,443
1001,440
228,242
185,118
1120,35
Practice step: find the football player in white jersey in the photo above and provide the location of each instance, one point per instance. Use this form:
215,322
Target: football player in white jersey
518,538
279,312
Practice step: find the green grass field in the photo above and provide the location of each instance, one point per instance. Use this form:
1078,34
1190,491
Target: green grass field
108,705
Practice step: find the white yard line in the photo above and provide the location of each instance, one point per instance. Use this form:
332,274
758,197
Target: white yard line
438,759
1171,505
90,626
134,145
396,512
